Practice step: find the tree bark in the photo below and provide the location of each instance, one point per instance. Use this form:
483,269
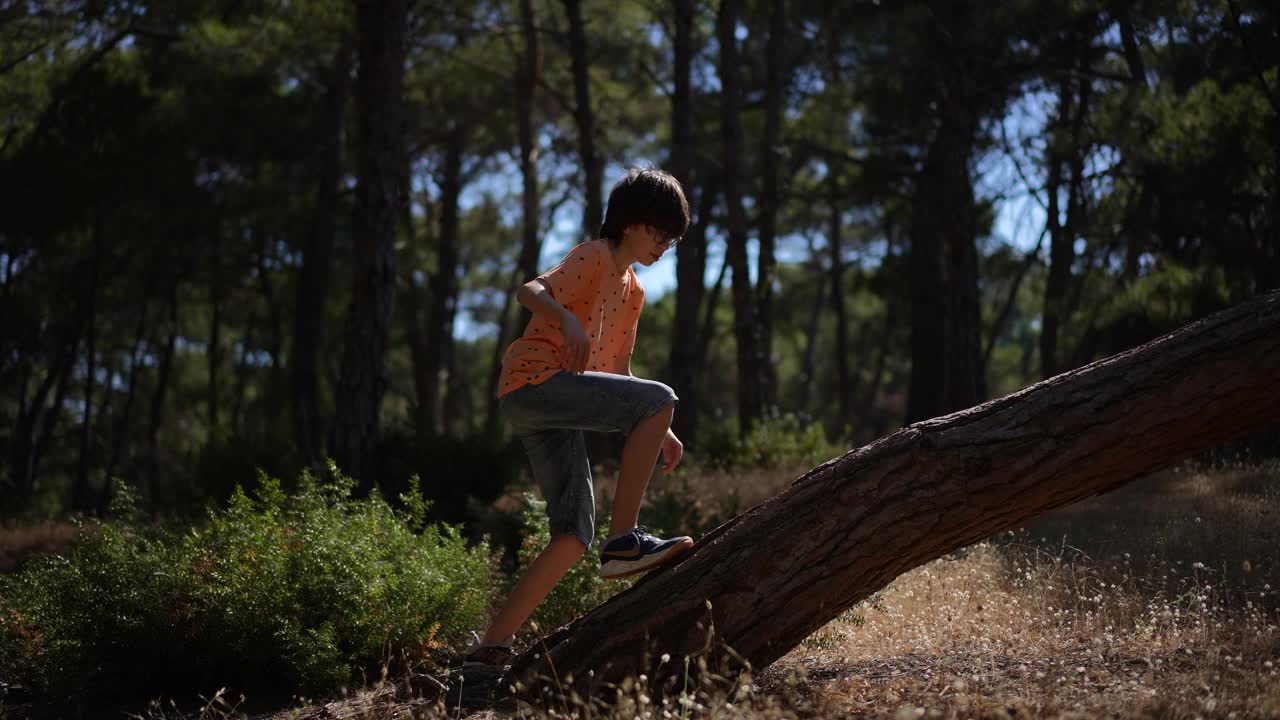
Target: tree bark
35,421
928,312
809,355
317,260
1136,227
592,167
868,400
708,330
839,353
243,370
275,338
776,71
215,330
683,362
527,80
79,499
946,355
163,373
750,402
1132,54
528,75
1010,301
126,414
764,581
413,302
444,282
1061,252
363,378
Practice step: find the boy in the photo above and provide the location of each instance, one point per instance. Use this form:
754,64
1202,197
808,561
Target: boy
571,371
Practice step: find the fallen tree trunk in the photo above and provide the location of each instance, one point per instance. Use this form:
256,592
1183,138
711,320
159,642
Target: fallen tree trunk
765,580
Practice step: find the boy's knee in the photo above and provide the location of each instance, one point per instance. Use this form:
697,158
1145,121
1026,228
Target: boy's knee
571,542
668,395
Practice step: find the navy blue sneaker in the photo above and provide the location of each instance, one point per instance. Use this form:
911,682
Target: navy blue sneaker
493,655
638,551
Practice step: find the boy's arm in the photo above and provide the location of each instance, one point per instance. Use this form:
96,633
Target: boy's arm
576,349
537,299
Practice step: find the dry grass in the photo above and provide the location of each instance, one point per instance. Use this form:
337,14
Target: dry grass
1152,601
21,541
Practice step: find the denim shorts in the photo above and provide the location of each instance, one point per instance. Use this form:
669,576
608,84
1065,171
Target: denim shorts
549,419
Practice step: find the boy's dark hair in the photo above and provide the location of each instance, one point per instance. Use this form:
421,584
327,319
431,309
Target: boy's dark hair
646,197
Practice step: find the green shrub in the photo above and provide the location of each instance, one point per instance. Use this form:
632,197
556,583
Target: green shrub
470,470
306,591
676,510
781,441
582,588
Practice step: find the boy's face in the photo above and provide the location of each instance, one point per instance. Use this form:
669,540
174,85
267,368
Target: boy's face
645,244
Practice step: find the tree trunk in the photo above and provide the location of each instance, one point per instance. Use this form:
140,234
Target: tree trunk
49,421
839,353
928,309
1077,195
1061,252
163,373
275,340
317,261
527,78
215,331
708,330
1136,227
413,304
1132,54
363,379
808,358
36,422
592,167
126,414
444,283
243,370
527,81
500,351
79,499
868,400
1010,301
683,363
750,403
776,71
946,354
688,353
767,579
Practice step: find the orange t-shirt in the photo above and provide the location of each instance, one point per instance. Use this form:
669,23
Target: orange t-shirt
608,304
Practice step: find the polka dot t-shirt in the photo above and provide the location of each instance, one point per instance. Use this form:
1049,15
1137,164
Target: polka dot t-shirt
608,304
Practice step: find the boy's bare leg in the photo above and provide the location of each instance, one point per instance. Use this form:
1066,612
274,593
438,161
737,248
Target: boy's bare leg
542,575
638,458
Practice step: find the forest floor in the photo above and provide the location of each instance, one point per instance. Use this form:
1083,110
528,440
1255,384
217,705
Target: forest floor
1155,600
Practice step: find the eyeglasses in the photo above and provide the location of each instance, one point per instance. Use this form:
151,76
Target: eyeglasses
663,239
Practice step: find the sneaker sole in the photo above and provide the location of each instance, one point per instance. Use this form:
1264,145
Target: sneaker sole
476,665
627,568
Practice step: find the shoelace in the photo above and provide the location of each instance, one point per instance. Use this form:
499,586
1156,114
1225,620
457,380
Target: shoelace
477,642
643,532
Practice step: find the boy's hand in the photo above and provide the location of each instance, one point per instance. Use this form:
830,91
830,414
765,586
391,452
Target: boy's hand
672,451
576,349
